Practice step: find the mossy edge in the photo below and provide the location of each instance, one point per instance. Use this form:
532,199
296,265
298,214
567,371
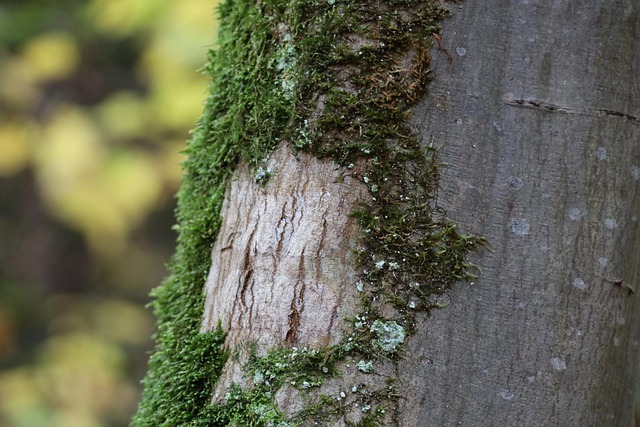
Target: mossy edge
269,57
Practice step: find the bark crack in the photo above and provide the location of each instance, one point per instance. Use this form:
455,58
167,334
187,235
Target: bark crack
297,304
282,222
320,250
554,108
246,280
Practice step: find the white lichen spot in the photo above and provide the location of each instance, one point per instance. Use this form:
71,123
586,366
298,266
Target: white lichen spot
390,335
366,408
380,264
558,364
305,138
506,394
360,286
610,223
601,153
262,174
331,2
603,262
412,304
634,170
516,183
343,394
575,214
287,65
366,367
579,283
393,266
461,51
519,226
288,87
354,389
306,384
531,379
258,377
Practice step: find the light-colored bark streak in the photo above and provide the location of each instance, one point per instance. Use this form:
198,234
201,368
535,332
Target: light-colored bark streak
283,269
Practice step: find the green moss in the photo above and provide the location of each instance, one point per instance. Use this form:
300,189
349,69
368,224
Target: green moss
243,118
337,78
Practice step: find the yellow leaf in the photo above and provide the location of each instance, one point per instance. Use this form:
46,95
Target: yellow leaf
123,17
123,115
70,152
15,147
51,56
18,83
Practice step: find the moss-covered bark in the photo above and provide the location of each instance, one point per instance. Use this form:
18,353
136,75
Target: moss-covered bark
336,78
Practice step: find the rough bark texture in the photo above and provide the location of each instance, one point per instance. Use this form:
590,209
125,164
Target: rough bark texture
538,122
283,269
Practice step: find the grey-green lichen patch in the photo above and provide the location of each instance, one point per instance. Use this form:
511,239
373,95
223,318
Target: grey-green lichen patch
389,335
337,79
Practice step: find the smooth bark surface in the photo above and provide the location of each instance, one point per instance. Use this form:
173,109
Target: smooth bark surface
537,120
538,123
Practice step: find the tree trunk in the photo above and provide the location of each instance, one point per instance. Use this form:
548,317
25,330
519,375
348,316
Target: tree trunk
537,121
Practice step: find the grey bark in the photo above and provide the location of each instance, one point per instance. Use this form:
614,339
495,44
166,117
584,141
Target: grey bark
538,122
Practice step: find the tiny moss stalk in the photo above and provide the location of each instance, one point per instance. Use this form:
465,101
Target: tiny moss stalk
336,78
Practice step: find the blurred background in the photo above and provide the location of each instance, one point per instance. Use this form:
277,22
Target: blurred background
96,101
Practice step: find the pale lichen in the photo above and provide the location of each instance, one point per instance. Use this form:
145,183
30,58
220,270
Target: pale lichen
389,335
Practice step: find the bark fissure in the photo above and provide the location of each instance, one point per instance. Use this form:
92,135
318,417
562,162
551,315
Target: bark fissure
297,303
550,107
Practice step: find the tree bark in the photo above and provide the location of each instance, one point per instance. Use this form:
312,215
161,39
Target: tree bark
537,120
283,270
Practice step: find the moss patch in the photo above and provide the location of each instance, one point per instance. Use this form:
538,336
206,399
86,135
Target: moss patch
243,118
337,78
